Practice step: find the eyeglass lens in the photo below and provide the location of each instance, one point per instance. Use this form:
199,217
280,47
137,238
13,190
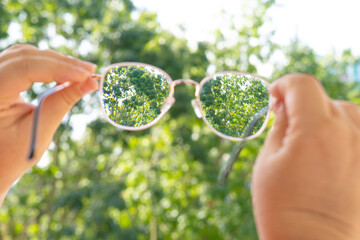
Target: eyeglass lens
235,104
133,95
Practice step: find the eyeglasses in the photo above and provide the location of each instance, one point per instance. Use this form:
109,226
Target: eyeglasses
135,96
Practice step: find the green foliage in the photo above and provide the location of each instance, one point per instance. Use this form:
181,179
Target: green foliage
160,183
4,19
232,50
230,102
330,70
133,95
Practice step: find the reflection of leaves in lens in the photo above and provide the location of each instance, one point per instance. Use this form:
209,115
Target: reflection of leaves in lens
133,95
230,103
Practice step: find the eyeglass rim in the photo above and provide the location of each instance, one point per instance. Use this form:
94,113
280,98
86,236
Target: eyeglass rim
122,64
168,102
238,139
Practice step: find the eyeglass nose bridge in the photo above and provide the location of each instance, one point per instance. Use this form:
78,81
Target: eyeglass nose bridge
194,102
183,81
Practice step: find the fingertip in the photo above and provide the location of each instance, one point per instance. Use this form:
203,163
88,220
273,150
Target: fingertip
88,66
272,87
278,131
91,66
275,91
81,74
274,103
279,109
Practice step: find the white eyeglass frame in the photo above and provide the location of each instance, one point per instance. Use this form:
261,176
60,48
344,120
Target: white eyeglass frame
169,101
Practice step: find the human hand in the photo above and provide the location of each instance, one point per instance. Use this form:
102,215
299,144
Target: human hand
20,66
306,180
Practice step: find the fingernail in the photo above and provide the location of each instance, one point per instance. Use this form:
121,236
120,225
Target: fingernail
81,73
93,65
276,105
279,108
274,102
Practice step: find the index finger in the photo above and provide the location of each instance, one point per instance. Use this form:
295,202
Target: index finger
29,50
304,98
18,74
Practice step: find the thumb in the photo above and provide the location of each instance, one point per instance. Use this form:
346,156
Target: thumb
275,139
56,106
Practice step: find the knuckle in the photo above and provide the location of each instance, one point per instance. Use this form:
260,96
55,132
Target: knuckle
349,106
338,130
329,129
47,52
51,52
347,110
17,45
16,48
24,51
20,46
59,56
302,78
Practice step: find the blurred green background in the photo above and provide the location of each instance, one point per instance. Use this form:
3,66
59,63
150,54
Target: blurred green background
159,183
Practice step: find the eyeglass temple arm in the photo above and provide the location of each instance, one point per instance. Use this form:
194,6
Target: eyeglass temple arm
227,166
37,110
